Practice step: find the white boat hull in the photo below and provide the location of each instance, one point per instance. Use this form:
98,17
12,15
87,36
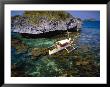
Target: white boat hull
57,49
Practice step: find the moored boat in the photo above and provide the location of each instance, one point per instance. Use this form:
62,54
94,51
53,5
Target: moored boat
60,45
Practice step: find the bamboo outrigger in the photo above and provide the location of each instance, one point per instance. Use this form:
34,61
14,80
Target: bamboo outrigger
63,44
66,44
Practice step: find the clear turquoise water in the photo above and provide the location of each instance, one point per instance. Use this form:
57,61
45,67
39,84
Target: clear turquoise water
88,47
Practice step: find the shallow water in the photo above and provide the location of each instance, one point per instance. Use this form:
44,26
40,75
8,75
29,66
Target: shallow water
28,59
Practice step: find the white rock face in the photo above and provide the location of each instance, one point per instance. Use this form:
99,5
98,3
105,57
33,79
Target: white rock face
20,25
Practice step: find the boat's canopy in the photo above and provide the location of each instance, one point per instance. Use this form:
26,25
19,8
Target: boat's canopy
64,41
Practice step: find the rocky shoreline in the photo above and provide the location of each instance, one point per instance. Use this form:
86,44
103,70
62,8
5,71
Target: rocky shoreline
41,35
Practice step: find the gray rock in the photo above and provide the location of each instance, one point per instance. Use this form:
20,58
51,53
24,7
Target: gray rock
22,26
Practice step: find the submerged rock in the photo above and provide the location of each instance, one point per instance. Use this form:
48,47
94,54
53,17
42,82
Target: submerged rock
37,52
19,46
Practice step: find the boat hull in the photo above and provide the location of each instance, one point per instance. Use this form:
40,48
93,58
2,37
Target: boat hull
57,49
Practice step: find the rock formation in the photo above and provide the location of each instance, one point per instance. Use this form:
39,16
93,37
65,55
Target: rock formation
24,25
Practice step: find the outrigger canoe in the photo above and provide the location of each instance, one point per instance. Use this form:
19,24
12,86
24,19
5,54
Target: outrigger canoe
66,44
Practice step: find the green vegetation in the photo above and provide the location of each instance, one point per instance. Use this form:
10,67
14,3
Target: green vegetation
36,16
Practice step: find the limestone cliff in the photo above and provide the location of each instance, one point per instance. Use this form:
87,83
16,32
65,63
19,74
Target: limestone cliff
39,22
